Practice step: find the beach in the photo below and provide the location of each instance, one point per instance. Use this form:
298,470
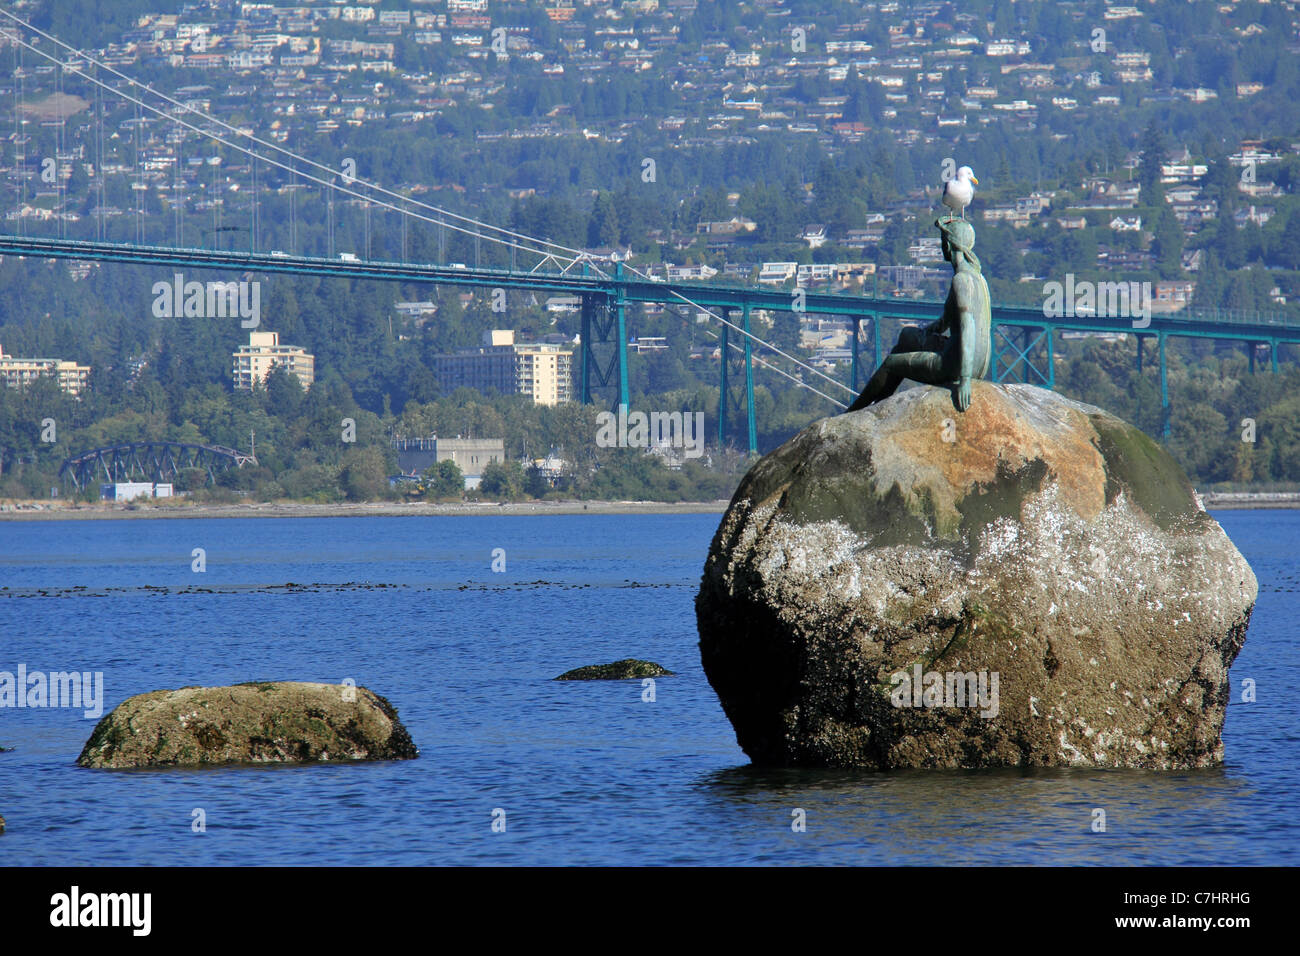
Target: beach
175,508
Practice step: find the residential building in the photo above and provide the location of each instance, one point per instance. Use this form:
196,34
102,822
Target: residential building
814,235
1172,296
1259,216
816,272
1016,217
730,227
689,273
21,372
925,249
542,371
254,361
775,273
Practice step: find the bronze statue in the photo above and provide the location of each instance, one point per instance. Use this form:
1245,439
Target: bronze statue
925,354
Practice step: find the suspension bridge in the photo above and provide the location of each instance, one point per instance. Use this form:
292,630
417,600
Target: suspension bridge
1024,338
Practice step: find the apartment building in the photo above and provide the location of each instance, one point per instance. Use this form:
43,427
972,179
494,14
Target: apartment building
254,361
21,372
542,371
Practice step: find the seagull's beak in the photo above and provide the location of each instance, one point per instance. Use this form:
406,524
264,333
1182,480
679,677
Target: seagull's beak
975,180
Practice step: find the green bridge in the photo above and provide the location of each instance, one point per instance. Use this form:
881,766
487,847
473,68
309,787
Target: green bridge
1023,338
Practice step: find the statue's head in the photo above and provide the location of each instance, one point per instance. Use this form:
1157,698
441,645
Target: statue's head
957,235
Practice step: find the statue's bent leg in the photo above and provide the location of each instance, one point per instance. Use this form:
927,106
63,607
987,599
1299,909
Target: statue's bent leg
924,367
910,339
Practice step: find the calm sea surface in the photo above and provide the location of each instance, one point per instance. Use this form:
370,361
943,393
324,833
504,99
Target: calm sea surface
587,773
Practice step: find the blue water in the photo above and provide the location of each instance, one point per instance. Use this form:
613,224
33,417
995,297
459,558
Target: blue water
587,773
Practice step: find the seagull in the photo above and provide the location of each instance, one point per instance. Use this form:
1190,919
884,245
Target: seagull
958,192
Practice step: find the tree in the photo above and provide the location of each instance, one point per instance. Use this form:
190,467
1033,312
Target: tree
444,480
365,475
1286,245
421,384
1167,243
1211,282
1199,441
1153,155
502,481
284,392
191,479
535,483
602,227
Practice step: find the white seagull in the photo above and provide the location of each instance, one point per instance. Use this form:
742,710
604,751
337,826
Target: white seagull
958,192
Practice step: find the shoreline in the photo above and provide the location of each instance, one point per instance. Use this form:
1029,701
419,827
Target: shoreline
1248,500
59,511
33,510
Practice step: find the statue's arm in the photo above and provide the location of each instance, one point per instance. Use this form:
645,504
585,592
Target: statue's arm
970,341
969,335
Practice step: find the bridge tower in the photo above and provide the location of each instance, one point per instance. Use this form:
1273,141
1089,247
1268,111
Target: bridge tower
746,364
602,359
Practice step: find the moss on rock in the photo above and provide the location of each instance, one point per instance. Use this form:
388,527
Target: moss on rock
263,722
1139,467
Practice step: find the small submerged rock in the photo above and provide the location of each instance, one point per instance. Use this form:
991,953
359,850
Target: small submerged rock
2,824
275,722
619,670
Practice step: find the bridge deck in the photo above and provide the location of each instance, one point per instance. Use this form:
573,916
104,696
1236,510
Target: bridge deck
714,295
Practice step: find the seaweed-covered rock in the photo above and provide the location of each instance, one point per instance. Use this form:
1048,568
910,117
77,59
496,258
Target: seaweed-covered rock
277,722
1031,582
619,670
